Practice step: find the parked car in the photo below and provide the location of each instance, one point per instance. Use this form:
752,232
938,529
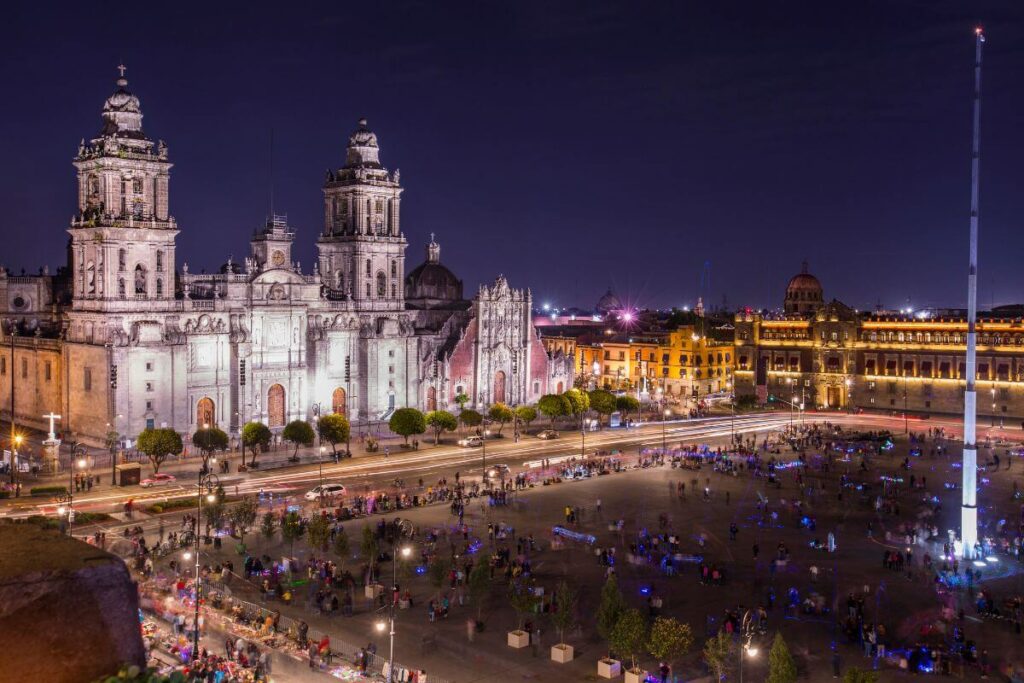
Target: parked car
157,480
547,434
471,442
327,490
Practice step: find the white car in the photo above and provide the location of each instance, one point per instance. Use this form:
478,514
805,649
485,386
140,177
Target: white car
327,491
157,480
547,434
471,442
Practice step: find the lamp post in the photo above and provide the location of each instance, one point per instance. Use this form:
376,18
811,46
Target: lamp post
67,499
323,449
993,405
664,418
732,402
405,552
849,394
906,423
746,651
208,483
13,331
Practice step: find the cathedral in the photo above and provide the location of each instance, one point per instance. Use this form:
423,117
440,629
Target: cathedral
124,339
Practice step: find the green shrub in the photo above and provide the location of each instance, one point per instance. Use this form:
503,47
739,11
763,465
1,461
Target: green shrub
46,490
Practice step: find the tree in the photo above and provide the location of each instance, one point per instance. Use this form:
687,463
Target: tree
526,415
341,546
370,548
579,402
501,414
563,617
268,527
553,405
299,433
611,608
855,675
437,572
523,598
334,429
318,531
669,640
718,654
461,399
291,530
479,587
441,421
213,510
602,402
471,418
157,444
209,440
407,422
629,635
781,667
627,404
243,516
255,435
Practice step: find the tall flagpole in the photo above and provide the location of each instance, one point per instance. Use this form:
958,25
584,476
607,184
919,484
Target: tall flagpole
969,508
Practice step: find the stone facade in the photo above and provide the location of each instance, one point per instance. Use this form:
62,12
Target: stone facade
138,343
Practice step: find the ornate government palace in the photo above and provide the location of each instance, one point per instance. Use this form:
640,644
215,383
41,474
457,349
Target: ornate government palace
826,355
123,339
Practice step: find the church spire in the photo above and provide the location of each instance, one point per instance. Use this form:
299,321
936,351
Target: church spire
433,250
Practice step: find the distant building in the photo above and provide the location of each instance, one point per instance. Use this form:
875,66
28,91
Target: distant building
829,356
126,340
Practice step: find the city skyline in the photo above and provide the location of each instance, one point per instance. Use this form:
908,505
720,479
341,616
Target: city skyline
767,171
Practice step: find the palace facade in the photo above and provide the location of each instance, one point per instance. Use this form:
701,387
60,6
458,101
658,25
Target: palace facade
827,355
124,339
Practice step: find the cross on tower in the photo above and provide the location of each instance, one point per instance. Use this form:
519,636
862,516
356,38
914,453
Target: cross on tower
52,417
122,68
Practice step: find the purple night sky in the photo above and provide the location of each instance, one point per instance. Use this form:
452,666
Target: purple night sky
570,146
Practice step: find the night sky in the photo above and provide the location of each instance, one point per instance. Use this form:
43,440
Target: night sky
570,146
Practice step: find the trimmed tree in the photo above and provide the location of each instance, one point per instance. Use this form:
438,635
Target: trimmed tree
291,530
441,421
243,516
268,527
334,429
611,608
523,598
407,422
299,433
718,654
370,548
157,444
579,401
340,546
318,530
602,402
500,413
563,618
855,675
781,667
471,418
255,435
552,406
627,404
629,636
526,415
461,399
669,640
479,581
209,440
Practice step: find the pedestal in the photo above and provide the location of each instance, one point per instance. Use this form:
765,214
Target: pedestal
561,653
638,676
609,668
518,639
51,459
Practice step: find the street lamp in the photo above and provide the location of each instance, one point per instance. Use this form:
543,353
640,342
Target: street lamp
208,484
749,652
993,405
67,498
323,449
405,552
664,419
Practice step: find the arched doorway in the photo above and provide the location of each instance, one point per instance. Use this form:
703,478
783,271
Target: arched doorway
205,414
499,387
338,401
431,399
561,388
275,405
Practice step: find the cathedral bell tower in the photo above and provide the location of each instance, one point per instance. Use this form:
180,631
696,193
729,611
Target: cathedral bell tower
362,248
122,238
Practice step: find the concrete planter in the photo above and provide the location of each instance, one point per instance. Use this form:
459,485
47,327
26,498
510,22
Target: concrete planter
518,639
636,676
373,590
562,653
609,668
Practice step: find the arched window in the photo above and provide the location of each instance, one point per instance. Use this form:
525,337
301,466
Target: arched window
382,285
120,287
137,208
394,269
94,185
122,258
90,278
369,267
140,279
159,288
159,261
394,291
339,281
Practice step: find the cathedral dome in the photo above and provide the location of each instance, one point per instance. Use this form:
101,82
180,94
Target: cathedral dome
431,280
608,303
363,150
122,113
804,293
